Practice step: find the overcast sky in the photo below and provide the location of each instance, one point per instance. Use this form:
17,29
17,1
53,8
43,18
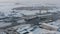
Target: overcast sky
29,2
33,1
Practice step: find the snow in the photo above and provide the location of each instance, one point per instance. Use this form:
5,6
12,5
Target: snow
43,31
55,23
6,8
31,33
27,12
4,24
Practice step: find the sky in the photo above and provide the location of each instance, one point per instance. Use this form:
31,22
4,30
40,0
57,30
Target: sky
33,1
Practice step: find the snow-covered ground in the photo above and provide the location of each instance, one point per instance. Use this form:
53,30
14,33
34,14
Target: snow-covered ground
56,23
6,8
2,24
43,31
